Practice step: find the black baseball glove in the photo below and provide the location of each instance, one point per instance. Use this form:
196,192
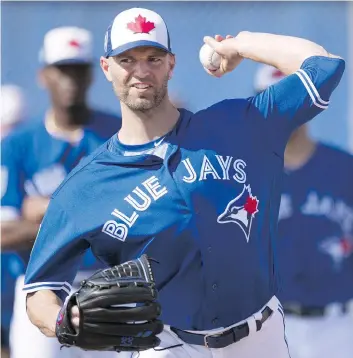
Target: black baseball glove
118,310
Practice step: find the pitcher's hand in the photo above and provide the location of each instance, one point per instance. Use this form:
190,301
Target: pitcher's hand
226,47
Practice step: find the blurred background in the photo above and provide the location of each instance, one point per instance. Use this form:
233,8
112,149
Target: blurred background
24,24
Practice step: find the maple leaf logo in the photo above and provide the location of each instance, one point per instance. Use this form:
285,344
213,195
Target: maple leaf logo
141,26
251,205
74,43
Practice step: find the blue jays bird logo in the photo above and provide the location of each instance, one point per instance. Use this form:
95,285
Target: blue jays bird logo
241,211
338,248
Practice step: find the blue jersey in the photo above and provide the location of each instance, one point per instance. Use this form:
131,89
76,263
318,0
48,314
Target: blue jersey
34,162
203,201
316,230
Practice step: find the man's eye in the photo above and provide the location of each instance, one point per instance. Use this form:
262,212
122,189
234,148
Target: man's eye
154,59
125,60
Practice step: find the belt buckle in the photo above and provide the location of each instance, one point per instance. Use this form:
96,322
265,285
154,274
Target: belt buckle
205,340
210,335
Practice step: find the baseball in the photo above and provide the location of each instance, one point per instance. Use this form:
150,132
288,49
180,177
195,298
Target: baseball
209,59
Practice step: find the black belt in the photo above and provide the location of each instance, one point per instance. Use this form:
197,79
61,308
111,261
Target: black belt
225,338
310,311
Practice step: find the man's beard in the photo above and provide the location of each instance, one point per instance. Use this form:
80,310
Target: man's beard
143,104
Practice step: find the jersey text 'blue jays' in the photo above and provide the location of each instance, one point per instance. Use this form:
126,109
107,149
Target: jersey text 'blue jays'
203,201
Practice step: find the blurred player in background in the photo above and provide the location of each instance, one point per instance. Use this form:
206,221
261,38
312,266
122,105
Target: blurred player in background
13,113
316,243
13,108
38,156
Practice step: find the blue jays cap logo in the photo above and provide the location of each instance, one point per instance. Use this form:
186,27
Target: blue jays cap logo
241,211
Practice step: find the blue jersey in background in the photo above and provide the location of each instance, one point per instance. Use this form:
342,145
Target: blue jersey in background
316,230
34,162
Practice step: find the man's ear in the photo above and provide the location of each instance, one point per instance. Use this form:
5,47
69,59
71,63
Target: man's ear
104,63
42,78
171,65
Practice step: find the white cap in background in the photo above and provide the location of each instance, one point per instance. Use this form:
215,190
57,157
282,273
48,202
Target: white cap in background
12,105
67,45
266,76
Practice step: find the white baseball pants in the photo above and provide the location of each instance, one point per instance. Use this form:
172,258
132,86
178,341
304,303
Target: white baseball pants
320,337
269,342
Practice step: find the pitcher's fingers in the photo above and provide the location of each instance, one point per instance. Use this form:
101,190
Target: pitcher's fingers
75,322
212,42
215,73
75,312
219,38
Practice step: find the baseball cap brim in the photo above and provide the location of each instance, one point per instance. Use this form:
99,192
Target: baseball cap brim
141,43
68,61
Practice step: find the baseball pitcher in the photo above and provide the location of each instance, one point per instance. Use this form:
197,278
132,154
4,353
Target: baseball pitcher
183,207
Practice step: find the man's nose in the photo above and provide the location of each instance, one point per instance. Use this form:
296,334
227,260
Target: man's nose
142,69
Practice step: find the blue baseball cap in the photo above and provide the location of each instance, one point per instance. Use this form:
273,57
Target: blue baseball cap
136,27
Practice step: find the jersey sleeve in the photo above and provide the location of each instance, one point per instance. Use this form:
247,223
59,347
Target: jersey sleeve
299,97
57,253
12,179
